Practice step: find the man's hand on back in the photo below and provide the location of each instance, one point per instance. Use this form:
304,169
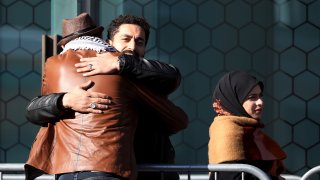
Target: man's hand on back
79,99
104,63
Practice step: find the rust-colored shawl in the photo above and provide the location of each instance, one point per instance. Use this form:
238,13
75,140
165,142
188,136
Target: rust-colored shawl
241,138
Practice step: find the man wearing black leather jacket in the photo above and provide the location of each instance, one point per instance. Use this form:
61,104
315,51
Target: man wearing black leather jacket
157,75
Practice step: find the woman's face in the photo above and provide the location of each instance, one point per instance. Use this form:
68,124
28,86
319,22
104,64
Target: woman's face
253,103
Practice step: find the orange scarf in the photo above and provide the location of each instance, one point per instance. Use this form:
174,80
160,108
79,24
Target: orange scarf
241,138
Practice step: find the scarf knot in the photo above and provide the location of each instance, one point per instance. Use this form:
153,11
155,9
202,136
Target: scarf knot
89,43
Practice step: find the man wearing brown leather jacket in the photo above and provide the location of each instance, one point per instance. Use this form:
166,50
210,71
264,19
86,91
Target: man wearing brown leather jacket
162,77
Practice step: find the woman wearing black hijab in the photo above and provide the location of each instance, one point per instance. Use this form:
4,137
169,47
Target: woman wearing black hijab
235,134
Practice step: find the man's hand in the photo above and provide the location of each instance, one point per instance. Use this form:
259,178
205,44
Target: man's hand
79,99
105,63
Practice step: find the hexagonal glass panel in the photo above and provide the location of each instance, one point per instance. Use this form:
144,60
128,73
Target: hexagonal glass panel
293,61
215,79
313,13
307,1
17,154
279,85
28,132
180,18
2,110
2,63
36,2
224,1
279,37
170,38
256,40
265,61
185,154
205,110
224,37
19,62
3,15
238,59
306,133
313,109
18,10
211,13
188,105
185,60
197,38
306,37
295,157
196,85
313,156
37,63
210,61
15,105
8,134
313,61
169,1
107,12
177,93
150,14
202,155
290,105
292,13
281,131
2,156
7,2
8,86
196,140
165,14
265,13
9,39
197,1
306,85
252,1
142,1
42,16
270,109
131,7
31,85
31,38
238,13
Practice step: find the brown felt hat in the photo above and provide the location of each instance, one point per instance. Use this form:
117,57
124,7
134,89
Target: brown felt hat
82,25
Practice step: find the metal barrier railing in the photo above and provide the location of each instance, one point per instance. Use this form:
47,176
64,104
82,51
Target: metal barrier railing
311,172
290,177
17,168
214,168
185,170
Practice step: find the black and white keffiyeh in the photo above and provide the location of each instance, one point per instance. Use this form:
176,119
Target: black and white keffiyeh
89,43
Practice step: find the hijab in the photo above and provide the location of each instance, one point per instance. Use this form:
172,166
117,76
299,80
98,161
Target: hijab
232,90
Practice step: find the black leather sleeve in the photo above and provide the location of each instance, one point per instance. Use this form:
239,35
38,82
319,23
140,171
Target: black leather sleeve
160,76
45,109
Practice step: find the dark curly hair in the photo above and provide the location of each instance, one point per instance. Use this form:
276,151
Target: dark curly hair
128,19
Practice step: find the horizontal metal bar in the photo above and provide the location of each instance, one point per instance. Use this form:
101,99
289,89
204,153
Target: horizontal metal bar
166,168
311,172
23,177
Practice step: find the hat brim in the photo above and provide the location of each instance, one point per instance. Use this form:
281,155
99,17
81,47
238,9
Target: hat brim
94,31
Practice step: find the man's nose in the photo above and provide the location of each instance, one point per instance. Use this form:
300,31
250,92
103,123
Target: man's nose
131,45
